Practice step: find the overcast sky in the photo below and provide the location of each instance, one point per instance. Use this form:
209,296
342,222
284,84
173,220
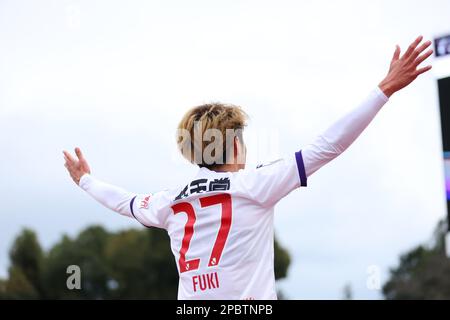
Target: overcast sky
115,77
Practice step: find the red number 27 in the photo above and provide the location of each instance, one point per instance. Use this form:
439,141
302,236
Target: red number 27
225,223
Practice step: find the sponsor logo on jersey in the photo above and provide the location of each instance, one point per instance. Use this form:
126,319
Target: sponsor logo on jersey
204,185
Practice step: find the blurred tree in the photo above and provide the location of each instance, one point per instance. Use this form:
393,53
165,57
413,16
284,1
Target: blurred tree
282,261
18,286
86,251
3,292
423,273
347,292
26,256
148,271
130,264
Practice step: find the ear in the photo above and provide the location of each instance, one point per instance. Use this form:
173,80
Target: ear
236,143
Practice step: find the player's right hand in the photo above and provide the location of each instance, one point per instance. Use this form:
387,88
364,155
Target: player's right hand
76,168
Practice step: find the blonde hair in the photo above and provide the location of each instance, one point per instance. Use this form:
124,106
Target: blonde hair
218,120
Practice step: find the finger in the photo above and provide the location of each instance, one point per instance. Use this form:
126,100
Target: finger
419,50
396,53
69,156
68,161
424,46
79,153
423,57
412,47
423,70
68,164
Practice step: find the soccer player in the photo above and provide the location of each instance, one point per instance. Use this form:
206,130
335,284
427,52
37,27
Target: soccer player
220,222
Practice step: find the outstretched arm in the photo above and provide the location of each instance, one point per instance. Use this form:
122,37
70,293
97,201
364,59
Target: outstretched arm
108,195
339,136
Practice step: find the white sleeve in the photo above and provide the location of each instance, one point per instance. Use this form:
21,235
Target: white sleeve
267,184
337,138
142,207
112,197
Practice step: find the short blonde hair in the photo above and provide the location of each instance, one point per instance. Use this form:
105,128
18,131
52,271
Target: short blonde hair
222,118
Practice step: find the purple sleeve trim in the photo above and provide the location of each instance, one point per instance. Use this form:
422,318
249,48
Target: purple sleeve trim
132,212
301,168
131,207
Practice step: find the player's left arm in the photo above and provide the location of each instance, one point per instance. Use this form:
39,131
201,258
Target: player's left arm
340,135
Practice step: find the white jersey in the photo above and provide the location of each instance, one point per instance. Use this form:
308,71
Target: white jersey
221,228
220,224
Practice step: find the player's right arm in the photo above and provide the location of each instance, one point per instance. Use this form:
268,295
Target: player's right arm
112,197
142,207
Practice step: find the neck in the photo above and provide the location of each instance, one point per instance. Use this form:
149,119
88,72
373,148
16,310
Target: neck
226,168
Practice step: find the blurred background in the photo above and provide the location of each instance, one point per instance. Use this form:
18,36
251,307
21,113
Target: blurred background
115,77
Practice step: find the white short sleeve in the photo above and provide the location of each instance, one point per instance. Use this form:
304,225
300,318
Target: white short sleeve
148,209
269,183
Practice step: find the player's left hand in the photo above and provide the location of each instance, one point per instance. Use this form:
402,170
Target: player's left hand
76,168
404,70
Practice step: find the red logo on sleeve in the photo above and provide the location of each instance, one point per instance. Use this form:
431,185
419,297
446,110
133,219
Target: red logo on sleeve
144,202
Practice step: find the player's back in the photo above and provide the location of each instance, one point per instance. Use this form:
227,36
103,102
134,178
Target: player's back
221,229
